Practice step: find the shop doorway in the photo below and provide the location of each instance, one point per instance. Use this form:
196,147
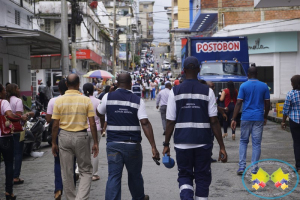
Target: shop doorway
13,74
266,75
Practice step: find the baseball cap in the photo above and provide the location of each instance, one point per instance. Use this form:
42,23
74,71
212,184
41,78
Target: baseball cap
191,63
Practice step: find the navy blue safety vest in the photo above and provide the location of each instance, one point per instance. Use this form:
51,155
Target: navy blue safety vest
136,89
122,120
192,119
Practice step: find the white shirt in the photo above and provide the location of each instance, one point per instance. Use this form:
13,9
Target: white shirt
171,115
162,97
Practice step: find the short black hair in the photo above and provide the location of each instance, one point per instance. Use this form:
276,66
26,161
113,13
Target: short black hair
73,82
296,82
62,86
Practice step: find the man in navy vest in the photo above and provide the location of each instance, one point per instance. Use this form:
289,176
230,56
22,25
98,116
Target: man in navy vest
125,111
192,111
137,88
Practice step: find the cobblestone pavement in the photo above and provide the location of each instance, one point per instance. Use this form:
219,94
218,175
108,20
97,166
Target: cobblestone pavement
160,182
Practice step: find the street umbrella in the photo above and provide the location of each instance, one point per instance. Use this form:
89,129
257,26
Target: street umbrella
99,74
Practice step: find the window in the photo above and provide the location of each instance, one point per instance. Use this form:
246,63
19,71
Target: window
17,17
47,26
150,33
150,23
145,6
150,14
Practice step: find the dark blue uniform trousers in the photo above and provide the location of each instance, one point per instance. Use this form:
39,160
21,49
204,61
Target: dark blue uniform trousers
194,164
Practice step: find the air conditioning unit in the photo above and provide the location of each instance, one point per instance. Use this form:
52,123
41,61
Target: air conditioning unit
42,22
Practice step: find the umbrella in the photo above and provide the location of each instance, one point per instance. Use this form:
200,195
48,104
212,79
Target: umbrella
99,74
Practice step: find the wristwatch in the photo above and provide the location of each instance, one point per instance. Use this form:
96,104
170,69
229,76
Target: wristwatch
166,144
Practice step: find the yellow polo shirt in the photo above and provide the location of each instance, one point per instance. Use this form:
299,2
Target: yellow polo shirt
72,109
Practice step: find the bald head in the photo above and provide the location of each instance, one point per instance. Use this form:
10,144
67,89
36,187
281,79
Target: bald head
252,72
73,81
124,81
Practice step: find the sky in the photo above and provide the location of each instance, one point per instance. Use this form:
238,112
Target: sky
161,23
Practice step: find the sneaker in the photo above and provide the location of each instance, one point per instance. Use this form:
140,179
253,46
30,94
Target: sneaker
240,171
146,197
254,170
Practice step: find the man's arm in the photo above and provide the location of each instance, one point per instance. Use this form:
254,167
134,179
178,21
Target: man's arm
236,111
102,119
158,100
221,110
168,134
216,128
95,148
55,127
267,109
147,128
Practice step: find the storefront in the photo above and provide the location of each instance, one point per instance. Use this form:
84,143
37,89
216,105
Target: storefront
275,51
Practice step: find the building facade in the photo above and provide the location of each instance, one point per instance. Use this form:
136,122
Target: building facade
147,23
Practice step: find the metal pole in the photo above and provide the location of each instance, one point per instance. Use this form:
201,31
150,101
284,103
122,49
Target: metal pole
64,38
127,45
114,42
73,45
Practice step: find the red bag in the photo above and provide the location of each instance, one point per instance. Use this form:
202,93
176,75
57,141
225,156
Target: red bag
5,124
17,127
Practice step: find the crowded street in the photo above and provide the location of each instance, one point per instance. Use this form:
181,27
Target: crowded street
159,181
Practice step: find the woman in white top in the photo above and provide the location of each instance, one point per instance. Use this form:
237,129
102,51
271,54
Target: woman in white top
88,91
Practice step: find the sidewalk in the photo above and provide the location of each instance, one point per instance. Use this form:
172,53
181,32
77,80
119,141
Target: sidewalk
160,183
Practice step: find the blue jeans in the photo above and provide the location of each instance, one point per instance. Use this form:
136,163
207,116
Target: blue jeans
153,93
255,128
194,164
58,184
18,154
130,155
7,151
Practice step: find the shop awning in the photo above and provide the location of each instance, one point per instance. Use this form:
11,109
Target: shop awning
275,3
203,20
40,42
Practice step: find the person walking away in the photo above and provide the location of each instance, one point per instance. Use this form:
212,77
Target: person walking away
152,86
147,89
88,90
70,114
48,94
291,109
162,102
125,111
7,145
255,97
16,104
137,88
176,82
229,96
58,184
106,90
192,111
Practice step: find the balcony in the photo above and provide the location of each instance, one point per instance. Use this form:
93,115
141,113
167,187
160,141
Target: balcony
175,10
26,5
175,24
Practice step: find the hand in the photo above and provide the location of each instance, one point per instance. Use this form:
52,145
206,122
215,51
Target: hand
226,109
166,151
233,124
54,149
24,117
157,107
265,121
222,155
225,117
283,125
95,150
155,153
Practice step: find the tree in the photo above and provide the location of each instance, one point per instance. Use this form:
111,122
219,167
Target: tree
137,59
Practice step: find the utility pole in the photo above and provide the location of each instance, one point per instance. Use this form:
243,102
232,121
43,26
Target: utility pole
127,45
114,42
73,45
64,38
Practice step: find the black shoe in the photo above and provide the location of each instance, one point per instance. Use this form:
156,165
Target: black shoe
9,197
213,160
146,197
164,133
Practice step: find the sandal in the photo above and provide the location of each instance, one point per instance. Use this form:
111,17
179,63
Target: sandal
20,181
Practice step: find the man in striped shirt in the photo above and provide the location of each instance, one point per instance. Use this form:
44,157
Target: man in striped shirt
70,114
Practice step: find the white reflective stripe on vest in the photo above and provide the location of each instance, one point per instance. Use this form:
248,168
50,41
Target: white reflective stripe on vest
186,186
191,96
122,103
192,125
123,128
201,198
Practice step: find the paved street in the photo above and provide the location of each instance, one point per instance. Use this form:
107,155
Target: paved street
156,52
160,182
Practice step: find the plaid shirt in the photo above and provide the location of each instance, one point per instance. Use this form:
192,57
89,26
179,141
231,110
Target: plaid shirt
291,105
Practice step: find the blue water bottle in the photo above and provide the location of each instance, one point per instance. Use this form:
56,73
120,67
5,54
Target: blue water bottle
168,161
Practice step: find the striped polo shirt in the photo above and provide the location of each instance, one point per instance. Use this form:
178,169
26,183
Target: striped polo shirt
72,109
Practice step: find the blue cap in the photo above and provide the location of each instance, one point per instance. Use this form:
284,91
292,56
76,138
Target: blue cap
191,63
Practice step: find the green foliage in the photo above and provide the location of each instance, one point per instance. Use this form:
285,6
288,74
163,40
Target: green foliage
137,60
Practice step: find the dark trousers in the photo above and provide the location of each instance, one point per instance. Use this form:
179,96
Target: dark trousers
295,130
229,117
7,151
163,113
18,154
194,164
57,172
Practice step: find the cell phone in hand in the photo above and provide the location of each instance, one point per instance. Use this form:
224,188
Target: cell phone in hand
156,161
